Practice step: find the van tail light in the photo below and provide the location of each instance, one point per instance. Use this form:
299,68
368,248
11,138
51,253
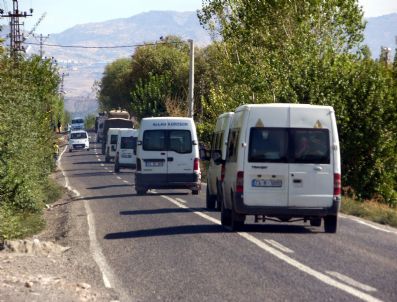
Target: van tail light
222,172
240,182
337,184
196,164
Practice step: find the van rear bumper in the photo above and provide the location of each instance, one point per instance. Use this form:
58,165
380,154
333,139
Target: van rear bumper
168,181
128,166
296,212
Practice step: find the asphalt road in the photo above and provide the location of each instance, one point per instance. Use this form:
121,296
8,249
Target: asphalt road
165,246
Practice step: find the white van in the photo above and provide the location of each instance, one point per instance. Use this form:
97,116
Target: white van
126,149
283,161
215,172
77,124
79,140
111,144
167,155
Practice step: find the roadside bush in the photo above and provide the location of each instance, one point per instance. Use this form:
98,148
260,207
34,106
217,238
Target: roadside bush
28,103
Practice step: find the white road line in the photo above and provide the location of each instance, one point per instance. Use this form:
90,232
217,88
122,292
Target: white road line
102,165
371,225
351,281
118,177
99,159
126,181
300,266
279,246
107,275
181,200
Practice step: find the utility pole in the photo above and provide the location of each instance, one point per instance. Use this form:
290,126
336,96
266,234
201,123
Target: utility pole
191,79
16,37
41,40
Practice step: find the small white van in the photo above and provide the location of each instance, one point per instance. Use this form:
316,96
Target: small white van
126,149
167,155
111,144
79,140
215,172
77,124
283,161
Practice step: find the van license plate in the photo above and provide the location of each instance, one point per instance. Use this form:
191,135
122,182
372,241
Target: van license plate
154,163
267,183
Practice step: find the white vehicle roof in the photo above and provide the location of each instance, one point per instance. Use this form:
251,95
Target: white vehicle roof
167,123
128,132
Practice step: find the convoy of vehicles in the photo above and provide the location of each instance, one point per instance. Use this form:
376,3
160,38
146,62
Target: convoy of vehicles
273,161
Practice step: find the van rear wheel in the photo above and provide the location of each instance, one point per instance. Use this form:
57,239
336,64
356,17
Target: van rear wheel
141,191
331,223
209,200
225,215
236,221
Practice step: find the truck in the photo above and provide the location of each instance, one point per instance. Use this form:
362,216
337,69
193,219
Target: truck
115,119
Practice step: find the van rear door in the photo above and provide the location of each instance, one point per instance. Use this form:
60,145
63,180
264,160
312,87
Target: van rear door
180,156
154,160
310,169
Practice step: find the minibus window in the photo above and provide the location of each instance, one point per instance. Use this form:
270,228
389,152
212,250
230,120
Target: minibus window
113,139
310,146
154,140
232,145
180,141
268,145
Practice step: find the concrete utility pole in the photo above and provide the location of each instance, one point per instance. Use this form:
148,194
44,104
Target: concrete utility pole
191,79
16,37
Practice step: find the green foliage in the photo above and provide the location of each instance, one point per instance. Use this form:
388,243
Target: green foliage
159,73
114,87
89,121
28,103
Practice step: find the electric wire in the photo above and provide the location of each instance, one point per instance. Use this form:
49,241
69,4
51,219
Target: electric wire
103,47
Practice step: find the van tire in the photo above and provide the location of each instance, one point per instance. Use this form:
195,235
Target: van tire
315,222
116,168
226,215
195,192
331,223
218,195
209,200
236,221
70,150
140,191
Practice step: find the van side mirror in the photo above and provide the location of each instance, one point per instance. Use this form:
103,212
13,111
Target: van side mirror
139,143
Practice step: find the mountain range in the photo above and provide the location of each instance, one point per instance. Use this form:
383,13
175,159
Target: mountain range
82,66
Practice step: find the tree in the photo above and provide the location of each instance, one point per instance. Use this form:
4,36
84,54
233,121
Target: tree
114,87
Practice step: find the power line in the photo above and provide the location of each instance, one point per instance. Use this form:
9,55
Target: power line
102,47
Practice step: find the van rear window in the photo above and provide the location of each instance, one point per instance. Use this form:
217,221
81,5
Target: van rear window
128,142
113,139
289,145
179,141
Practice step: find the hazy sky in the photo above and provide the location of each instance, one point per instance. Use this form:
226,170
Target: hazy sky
62,14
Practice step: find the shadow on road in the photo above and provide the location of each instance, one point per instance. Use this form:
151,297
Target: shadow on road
209,229
168,231
108,186
86,163
161,211
107,196
91,174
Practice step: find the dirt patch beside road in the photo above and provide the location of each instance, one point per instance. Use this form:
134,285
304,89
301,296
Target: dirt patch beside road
55,265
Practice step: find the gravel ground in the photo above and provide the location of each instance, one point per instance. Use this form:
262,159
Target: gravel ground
55,265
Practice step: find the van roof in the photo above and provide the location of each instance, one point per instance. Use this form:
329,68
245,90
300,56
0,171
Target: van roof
280,105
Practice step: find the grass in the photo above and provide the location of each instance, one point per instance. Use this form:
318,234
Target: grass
370,210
